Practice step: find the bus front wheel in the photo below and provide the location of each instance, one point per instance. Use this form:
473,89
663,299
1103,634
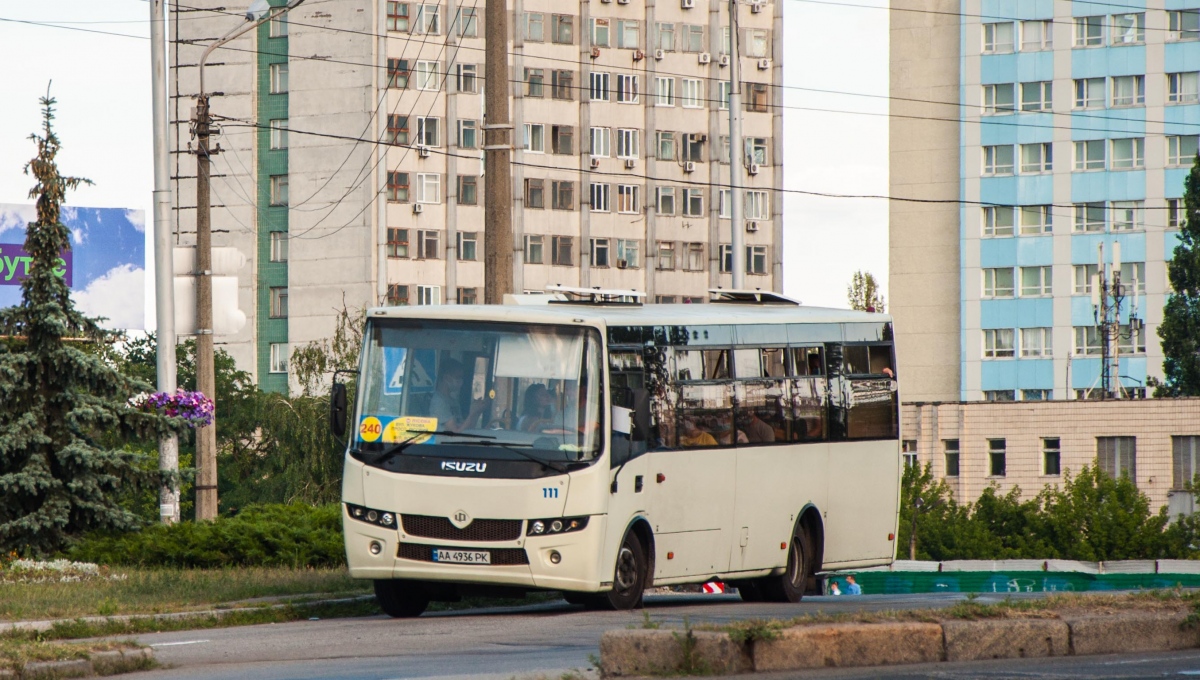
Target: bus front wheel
629,577
789,586
401,599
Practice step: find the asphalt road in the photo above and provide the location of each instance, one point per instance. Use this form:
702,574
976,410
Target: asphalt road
550,639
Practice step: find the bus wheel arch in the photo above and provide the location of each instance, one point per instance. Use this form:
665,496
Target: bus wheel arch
640,528
790,586
635,558
810,522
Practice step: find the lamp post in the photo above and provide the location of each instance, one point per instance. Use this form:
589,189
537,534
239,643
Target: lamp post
206,437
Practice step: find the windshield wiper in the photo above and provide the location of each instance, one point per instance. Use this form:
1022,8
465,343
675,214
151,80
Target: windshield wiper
484,440
399,447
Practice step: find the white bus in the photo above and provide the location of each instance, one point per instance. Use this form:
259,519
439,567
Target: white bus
599,446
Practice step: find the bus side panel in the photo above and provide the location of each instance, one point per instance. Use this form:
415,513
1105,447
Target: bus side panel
623,507
691,510
862,500
773,484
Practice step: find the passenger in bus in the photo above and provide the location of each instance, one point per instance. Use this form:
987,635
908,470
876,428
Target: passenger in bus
446,404
756,429
537,409
691,435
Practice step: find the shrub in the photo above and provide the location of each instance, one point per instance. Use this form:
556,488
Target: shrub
260,536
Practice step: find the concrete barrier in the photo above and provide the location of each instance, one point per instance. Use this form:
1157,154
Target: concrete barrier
668,652
849,644
1005,639
1125,632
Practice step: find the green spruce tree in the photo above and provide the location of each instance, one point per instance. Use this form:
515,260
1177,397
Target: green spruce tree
57,400
1180,327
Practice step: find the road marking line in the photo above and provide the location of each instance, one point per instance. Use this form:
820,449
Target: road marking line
173,644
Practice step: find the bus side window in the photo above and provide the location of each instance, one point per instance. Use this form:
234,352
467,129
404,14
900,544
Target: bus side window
716,364
872,404
807,361
808,414
774,362
687,364
856,361
706,416
747,363
881,360
661,387
625,375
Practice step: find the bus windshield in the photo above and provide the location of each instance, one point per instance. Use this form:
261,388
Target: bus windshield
482,391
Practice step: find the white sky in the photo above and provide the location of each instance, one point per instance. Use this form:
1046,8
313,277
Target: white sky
102,84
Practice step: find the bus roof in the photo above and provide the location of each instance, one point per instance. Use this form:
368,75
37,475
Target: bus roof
635,315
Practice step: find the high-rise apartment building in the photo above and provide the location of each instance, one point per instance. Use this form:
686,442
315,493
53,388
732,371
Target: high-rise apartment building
1041,131
351,153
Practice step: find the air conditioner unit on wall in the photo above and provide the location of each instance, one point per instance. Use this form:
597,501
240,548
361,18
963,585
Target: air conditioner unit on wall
595,163
418,208
595,53
638,55
630,163
423,151
697,138
756,7
752,227
705,58
724,60
764,64
687,4
753,169
689,166
660,54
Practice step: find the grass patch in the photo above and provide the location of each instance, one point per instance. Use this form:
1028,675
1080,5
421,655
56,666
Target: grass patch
16,652
158,591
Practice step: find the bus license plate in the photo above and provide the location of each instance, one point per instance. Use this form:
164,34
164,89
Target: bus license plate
462,556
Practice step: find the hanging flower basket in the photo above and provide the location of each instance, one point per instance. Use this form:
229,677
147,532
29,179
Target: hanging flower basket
193,407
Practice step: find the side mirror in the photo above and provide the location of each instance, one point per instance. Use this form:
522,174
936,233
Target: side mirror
641,414
337,409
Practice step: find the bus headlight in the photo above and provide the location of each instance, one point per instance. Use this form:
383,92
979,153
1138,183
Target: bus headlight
556,525
379,518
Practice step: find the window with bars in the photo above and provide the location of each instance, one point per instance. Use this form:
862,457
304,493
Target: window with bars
397,130
398,72
398,16
1117,456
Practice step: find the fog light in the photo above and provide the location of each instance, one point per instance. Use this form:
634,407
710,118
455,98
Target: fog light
555,557
538,527
357,512
372,515
376,547
556,526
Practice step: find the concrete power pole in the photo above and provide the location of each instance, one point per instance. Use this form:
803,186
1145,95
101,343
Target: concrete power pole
206,379
497,165
737,155
164,277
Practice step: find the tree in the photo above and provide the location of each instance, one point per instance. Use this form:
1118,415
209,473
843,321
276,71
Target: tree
60,404
1180,327
863,293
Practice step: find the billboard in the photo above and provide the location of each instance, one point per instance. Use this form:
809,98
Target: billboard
105,267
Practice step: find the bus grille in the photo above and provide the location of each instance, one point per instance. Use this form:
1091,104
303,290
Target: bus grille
501,557
479,530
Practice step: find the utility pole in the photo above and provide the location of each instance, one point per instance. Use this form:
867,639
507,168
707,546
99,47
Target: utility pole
206,437
736,153
164,275
497,165
1107,296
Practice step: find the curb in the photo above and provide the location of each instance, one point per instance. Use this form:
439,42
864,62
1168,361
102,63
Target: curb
100,663
845,645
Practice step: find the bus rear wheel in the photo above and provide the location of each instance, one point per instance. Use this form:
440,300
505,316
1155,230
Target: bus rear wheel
789,586
401,599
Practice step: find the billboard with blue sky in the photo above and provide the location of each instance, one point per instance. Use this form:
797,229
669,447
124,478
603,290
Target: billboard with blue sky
106,268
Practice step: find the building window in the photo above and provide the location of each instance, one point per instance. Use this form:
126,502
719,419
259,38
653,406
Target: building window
1089,155
429,20
1128,29
600,31
279,136
1128,90
468,296
1035,281
998,38
279,246
1087,341
397,243
562,250
629,143
726,256
664,299
468,22
692,38
627,198
397,295
1183,88
998,99
664,91
397,130
1089,31
278,358
279,190
627,89
429,295
1051,456
535,193
428,244
1089,216
562,140
466,78
666,256
629,34
1037,343
756,259
601,142
998,160
664,200
664,146
562,195
279,78
1117,456
998,343
398,16
755,100
998,282
693,148
755,150
535,82
466,248
665,40
599,253
908,451
1183,25
1181,150
534,249
1130,341
1128,215
1089,93
693,202
429,131
1036,219
599,90
693,260
1035,395
535,137
1134,273
397,187
950,451
755,205
997,457
997,220
629,253
1128,154
397,73
999,395
1174,210
562,29
1037,36
1037,96
1037,158
1084,275
535,27
723,207
468,134
428,77
757,43
279,302
429,187
1184,453
562,84
600,197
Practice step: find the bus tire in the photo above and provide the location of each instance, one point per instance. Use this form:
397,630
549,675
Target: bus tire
629,576
401,599
789,586
748,590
